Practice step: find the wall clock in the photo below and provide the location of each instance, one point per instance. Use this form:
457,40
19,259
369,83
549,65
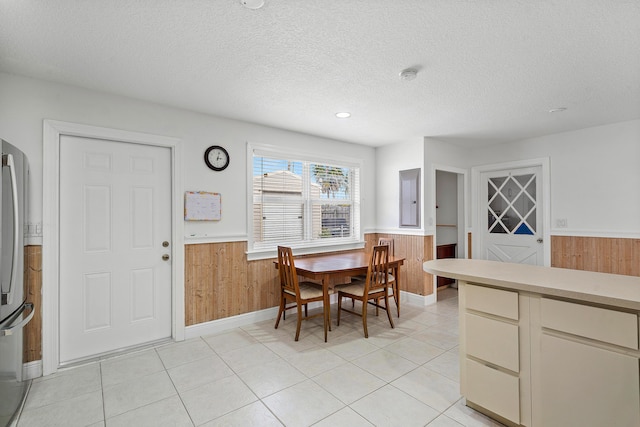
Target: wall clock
216,158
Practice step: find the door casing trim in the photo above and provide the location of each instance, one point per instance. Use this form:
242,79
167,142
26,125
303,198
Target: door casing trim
52,130
478,210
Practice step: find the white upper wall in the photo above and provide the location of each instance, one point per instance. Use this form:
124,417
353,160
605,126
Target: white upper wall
25,103
595,177
390,160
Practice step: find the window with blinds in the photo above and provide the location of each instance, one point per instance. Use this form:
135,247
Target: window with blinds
303,202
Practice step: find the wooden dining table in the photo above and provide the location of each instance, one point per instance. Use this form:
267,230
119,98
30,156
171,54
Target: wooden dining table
325,268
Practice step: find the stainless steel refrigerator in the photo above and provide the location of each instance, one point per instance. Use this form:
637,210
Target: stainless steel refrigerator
15,312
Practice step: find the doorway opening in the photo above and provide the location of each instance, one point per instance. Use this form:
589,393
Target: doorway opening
450,233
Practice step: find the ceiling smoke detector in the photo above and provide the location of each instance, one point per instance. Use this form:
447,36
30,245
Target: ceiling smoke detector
252,4
408,74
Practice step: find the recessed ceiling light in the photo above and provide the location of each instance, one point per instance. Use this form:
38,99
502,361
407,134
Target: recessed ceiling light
558,110
343,115
252,4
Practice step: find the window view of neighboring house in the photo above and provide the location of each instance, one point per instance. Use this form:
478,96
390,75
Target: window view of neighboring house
297,202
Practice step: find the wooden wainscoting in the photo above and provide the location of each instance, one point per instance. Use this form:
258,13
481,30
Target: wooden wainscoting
601,254
220,282
416,250
32,349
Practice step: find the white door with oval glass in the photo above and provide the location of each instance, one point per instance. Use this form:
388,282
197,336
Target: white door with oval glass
115,241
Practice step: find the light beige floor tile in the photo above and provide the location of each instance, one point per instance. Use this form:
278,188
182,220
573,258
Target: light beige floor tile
469,417
286,346
382,335
198,373
81,410
429,387
346,417
123,369
315,361
389,406
215,399
248,357
348,382
254,414
351,346
447,364
418,352
229,341
270,377
136,393
64,385
164,413
303,404
176,354
444,421
444,308
443,340
263,331
428,318
385,365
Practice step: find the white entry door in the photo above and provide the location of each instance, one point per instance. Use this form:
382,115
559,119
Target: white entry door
115,227
512,218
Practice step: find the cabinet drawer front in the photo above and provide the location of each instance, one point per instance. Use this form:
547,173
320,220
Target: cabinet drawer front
492,301
614,327
493,390
493,341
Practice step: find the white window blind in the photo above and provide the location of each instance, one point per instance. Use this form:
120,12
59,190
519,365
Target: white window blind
303,202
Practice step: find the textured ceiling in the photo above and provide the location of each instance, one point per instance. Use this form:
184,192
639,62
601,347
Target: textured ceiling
489,70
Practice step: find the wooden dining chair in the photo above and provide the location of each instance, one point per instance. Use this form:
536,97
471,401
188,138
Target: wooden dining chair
293,291
371,290
394,290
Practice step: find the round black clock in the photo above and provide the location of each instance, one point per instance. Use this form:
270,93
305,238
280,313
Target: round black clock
216,158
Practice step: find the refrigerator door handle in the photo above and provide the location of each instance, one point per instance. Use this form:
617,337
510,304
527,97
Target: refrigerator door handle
11,327
7,160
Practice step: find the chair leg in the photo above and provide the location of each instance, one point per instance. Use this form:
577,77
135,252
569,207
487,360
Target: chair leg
339,309
280,311
364,318
387,309
299,322
396,296
306,313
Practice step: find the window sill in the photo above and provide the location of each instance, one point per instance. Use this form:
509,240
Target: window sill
259,254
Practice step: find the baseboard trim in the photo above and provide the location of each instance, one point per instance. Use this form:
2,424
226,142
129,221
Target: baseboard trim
32,370
419,300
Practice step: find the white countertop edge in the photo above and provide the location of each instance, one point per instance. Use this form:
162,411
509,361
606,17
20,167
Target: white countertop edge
600,288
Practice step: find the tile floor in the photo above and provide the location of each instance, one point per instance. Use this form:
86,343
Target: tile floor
259,376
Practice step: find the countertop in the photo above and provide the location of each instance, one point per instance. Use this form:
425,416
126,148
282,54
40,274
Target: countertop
601,288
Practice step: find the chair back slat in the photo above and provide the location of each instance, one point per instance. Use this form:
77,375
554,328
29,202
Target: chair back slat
287,269
387,241
378,271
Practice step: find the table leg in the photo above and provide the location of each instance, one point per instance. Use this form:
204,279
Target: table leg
396,291
326,305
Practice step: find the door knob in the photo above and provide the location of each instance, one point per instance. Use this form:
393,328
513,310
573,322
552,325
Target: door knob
165,257
165,244
539,240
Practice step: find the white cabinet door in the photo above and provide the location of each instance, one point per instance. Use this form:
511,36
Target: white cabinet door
587,386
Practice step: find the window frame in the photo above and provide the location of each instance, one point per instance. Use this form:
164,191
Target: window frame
355,241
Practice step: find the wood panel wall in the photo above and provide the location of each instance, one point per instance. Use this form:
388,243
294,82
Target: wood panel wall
220,282
601,254
33,291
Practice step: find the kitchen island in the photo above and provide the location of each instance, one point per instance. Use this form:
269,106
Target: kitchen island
547,347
